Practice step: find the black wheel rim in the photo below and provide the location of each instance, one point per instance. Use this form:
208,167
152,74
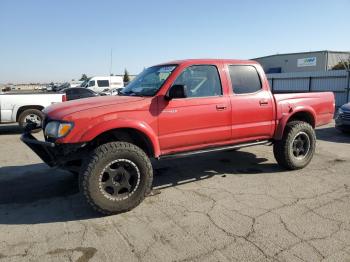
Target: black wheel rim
119,179
301,145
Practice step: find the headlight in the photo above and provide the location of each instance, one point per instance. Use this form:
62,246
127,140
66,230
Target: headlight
56,129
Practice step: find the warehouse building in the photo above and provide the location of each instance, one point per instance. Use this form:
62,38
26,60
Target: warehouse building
302,62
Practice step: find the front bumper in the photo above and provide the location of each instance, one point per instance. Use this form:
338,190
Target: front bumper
61,155
342,124
45,150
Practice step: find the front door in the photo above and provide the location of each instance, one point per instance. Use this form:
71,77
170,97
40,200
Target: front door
200,119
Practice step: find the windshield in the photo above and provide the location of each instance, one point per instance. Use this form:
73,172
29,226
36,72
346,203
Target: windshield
149,81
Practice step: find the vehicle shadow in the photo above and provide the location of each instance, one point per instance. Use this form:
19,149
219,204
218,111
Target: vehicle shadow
10,129
37,194
331,134
173,172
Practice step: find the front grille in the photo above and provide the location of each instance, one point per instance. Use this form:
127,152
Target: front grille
345,115
45,121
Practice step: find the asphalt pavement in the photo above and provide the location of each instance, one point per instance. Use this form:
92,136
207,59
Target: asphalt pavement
228,206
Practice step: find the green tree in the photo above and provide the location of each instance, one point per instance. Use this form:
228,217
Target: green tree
126,77
84,77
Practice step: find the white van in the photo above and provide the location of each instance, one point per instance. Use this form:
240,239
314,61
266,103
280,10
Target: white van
101,83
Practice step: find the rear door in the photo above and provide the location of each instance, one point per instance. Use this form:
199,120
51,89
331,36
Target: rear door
202,118
252,104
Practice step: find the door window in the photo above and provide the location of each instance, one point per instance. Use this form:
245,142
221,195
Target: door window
200,81
103,83
244,79
92,83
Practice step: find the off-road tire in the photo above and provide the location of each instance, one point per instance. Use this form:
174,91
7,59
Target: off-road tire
282,149
25,113
92,170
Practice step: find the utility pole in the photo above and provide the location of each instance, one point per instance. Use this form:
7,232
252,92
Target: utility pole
110,67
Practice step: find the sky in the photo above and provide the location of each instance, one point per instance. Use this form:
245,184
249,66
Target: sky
44,41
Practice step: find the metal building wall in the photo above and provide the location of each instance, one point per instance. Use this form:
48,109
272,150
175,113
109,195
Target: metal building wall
334,81
289,62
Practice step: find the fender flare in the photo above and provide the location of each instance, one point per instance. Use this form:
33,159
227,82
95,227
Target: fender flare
106,126
16,108
285,117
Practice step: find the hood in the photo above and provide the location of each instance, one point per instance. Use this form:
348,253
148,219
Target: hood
60,110
346,107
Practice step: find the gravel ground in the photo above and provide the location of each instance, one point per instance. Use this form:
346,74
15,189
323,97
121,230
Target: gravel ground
228,206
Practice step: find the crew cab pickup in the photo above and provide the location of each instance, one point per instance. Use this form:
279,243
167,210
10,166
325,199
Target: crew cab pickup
24,107
175,109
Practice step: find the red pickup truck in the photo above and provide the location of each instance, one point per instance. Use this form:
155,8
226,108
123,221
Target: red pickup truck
175,109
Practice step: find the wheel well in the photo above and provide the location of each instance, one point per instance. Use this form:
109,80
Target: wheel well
303,116
24,108
126,135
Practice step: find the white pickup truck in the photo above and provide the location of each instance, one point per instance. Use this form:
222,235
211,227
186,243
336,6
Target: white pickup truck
25,107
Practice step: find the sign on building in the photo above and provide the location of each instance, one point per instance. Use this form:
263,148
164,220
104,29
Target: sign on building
308,61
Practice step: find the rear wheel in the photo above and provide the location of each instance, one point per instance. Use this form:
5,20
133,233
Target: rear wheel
31,115
116,178
297,146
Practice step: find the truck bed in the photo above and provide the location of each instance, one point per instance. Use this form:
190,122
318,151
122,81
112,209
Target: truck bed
12,103
319,105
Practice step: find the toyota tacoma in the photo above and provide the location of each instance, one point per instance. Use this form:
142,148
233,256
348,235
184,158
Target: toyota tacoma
175,109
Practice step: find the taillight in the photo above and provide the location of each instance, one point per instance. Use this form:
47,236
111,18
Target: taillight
64,98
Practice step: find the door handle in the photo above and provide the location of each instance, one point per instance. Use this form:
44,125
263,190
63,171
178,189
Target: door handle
221,107
263,102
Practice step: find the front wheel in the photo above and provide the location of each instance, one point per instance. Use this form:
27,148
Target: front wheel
297,146
116,178
31,116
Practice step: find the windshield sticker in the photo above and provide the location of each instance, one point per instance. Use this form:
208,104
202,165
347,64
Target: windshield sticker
166,69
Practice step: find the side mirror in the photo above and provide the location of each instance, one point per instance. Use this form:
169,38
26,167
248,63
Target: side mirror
176,91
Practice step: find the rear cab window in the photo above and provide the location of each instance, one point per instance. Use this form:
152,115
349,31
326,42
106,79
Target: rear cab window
244,79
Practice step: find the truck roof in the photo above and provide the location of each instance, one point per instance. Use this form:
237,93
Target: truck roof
210,60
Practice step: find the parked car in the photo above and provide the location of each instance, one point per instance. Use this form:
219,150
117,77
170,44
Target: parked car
77,93
58,88
51,87
100,83
26,107
75,83
111,92
342,120
176,109
6,89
